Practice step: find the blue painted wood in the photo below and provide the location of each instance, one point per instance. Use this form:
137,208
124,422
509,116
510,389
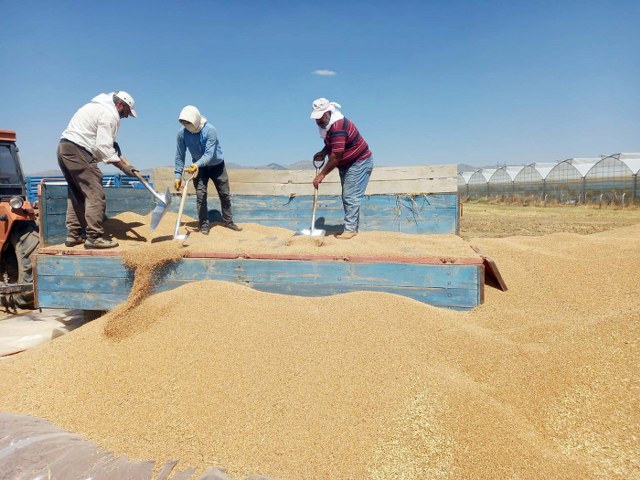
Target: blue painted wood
451,299
53,208
60,283
422,214
98,283
333,272
81,301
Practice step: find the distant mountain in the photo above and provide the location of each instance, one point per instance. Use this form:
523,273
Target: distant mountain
234,166
301,165
275,166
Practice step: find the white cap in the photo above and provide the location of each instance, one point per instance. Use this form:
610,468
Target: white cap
320,106
128,99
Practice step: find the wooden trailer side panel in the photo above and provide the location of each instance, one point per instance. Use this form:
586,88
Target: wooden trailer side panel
422,214
102,282
53,208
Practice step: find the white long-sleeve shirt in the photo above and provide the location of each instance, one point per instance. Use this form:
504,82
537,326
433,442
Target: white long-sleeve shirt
95,126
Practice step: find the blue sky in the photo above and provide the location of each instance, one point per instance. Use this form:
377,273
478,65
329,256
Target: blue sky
475,82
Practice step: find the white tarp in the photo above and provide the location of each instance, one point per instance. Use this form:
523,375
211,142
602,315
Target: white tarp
27,330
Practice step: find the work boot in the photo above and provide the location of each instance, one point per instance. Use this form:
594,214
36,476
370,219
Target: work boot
99,243
204,229
233,226
72,240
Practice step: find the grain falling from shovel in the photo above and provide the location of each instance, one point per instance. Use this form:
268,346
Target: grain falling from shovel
145,261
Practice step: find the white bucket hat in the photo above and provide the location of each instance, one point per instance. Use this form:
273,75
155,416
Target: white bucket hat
128,99
320,106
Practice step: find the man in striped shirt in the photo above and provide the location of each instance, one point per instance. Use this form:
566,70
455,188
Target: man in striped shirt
349,153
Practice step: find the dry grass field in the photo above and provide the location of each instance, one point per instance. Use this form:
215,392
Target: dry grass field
504,220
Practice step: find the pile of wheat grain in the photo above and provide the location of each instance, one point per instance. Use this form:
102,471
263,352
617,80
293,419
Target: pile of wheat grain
132,230
541,381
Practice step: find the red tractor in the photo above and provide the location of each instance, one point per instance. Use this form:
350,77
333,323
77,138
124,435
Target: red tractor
19,238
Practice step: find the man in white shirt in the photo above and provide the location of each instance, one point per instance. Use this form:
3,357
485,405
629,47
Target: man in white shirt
88,139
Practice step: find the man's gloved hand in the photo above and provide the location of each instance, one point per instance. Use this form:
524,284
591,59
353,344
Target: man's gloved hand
129,169
177,184
192,169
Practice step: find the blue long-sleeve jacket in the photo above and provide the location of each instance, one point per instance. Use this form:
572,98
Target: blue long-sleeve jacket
203,146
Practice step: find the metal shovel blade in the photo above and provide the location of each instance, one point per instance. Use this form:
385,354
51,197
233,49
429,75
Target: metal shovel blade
158,212
311,232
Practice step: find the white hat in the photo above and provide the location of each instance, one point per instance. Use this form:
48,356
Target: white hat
320,106
128,99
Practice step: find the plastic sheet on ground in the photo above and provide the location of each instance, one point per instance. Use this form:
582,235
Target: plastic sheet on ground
24,331
32,448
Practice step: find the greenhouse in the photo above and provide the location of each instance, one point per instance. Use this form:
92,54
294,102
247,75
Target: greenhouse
605,179
615,176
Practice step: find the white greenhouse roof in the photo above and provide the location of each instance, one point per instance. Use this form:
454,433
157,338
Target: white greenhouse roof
544,168
582,165
466,176
487,173
631,160
513,171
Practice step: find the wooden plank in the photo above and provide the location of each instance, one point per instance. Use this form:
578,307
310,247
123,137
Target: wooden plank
384,181
415,272
453,298
106,301
82,264
382,187
286,271
101,282
423,260
87,284
448,171
492,274
80,300
118,289
253,175
437,214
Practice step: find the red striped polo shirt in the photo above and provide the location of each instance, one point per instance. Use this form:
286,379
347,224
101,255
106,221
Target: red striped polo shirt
343,136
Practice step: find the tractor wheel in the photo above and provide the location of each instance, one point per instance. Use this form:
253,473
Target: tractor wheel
24,241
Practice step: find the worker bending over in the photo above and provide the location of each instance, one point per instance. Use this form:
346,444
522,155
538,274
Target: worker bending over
90,139
200,138
349,153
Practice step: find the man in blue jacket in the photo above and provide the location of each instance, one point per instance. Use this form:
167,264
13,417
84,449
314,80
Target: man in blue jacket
201,139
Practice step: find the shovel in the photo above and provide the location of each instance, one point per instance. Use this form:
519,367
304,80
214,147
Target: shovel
163,201
182,200
313,232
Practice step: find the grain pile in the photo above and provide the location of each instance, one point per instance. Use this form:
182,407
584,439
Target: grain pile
132,230
146,261
541,381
